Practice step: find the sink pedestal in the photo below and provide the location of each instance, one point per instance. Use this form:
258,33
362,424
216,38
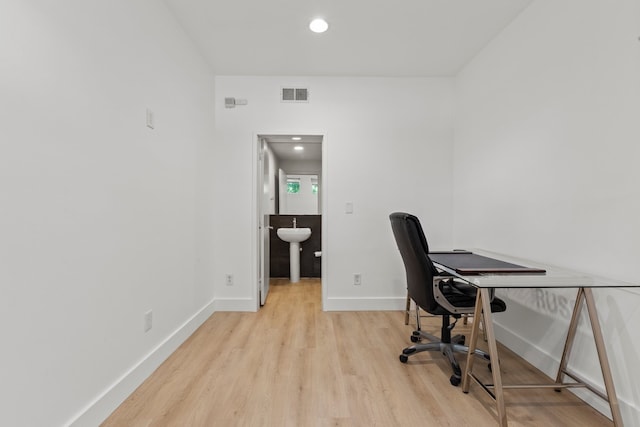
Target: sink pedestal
294,236
294,262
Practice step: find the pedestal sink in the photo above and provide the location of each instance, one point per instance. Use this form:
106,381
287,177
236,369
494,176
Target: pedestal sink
294,236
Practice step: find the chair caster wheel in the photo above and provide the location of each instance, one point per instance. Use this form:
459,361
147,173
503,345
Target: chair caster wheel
415,338
455,380
404,358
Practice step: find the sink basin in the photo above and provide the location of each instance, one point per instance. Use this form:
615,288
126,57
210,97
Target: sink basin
294,235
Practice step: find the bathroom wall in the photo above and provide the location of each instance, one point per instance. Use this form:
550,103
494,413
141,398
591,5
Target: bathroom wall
271,189
309,263
303,202
308,167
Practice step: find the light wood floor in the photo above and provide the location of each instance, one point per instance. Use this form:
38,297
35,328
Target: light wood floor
290,364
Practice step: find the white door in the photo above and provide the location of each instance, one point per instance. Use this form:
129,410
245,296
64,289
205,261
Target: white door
282,188
263,221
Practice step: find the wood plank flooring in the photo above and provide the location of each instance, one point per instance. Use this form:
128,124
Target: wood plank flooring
290,364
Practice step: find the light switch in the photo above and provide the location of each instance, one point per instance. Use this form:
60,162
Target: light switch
348,208
150,119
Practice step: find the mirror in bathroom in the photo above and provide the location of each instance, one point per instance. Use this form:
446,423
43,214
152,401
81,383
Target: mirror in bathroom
299,194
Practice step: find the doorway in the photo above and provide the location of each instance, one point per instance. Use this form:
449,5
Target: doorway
283,163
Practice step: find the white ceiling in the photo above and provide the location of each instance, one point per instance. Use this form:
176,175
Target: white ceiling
365,37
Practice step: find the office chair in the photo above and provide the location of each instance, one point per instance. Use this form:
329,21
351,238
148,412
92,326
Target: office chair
434,293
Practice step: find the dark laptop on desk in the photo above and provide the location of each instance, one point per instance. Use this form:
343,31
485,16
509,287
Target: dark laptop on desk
465,262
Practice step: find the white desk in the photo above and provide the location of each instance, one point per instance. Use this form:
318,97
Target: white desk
553,278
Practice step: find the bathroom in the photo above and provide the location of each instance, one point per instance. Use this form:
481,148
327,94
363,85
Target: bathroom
292,191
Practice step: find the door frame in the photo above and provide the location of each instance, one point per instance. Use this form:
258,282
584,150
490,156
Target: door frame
263,269
258,183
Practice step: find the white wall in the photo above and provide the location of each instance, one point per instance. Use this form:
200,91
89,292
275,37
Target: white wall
98,214
546,167
387,148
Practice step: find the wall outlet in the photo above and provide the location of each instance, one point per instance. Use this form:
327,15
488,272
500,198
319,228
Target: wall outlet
229,279
357,279
148,320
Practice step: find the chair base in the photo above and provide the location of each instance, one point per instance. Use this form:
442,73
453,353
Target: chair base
448,349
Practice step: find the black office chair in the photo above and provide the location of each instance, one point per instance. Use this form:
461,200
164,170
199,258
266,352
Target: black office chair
434,292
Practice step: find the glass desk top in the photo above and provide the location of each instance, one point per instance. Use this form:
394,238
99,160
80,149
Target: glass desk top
553,277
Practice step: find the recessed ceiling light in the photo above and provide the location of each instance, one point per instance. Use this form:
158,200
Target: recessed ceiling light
295,138
318,25
298,148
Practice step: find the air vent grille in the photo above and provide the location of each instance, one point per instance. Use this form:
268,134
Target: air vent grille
302,94
294,94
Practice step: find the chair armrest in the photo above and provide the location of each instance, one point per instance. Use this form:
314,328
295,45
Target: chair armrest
464,287
442,300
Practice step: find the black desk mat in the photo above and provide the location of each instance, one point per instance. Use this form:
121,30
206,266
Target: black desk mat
464,262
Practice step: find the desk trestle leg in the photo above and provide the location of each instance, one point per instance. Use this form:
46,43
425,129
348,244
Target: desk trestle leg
473,344
483,310
493,353
571,334
602,356
586,295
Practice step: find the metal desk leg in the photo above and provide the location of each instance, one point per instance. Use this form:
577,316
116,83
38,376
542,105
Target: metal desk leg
493,353
602,356
483,311
468,368
573,326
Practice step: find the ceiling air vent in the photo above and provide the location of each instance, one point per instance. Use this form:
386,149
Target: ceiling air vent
294,94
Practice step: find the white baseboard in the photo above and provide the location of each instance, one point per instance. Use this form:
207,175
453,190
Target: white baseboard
98,410
365,304
235,304
549,365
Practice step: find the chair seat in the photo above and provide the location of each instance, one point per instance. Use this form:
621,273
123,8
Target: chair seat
497,305
463,295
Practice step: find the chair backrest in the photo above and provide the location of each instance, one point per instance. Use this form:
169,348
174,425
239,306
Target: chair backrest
415,255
